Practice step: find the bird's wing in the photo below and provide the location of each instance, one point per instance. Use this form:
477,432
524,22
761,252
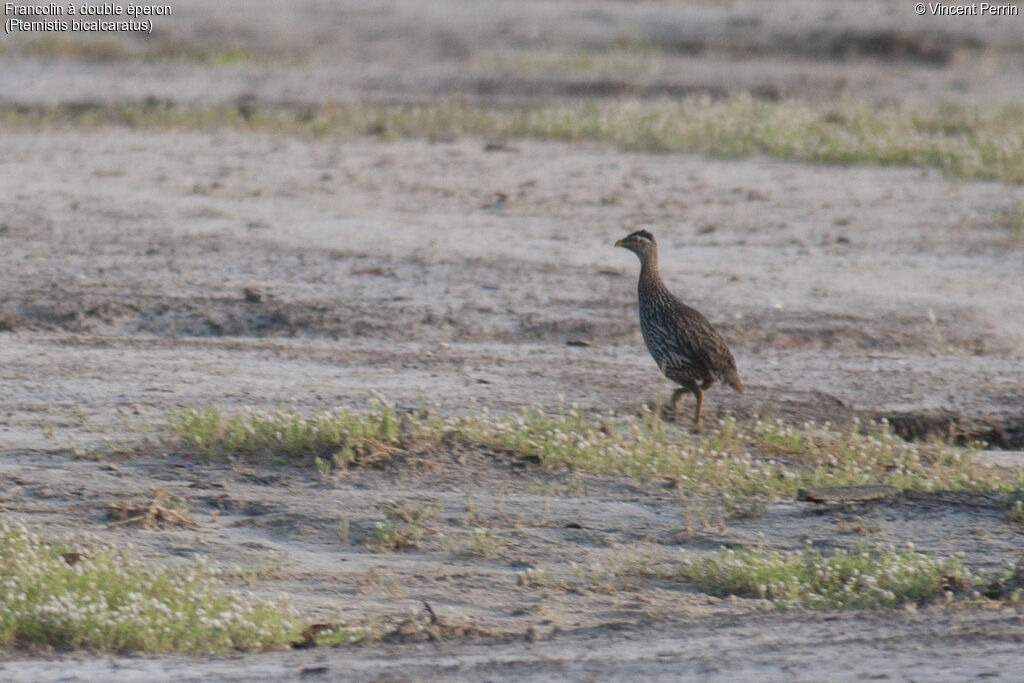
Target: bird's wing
702,343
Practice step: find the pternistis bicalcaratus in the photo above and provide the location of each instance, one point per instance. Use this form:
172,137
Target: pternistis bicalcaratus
682,342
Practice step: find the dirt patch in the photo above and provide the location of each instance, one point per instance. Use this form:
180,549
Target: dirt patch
929,47
955,428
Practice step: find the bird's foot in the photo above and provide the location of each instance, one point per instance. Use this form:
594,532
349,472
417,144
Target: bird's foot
668,415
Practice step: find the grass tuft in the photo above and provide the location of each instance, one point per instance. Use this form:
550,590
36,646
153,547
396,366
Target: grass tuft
99,598
403,527
329,439
806,578
393,534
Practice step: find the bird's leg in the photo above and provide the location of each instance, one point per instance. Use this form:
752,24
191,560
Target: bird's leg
688,387
699,393
675,400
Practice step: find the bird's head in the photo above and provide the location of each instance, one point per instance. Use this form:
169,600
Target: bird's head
640,243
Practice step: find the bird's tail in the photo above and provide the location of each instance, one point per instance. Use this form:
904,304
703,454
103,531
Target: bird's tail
733,379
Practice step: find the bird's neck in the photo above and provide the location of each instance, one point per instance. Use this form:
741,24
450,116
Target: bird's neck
649,275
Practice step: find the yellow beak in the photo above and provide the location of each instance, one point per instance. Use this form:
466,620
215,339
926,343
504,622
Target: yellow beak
621,243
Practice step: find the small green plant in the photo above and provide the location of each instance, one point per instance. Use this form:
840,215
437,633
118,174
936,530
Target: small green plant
404,526
393,534
807,578
482,543
93,597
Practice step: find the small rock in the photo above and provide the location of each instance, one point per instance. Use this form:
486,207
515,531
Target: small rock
499,146
255,295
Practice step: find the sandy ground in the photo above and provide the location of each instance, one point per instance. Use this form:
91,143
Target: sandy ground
148,269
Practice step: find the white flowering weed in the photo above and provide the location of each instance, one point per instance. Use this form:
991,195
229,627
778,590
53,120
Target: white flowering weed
102,599
807,578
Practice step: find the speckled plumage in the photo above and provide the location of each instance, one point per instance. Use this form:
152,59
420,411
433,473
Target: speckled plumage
682,342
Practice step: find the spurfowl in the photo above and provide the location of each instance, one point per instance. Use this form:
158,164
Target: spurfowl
682,342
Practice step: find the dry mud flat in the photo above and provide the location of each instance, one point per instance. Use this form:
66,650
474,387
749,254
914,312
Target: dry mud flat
242,269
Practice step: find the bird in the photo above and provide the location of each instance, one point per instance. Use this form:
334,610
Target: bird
682,342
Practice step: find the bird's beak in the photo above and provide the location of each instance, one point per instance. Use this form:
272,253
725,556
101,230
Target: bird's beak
621,243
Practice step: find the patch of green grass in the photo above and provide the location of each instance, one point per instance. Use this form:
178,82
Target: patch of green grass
738,465
762,459
101,599
962,141
842,579
328,440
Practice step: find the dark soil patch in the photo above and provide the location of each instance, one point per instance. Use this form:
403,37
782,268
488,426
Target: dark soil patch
952,427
